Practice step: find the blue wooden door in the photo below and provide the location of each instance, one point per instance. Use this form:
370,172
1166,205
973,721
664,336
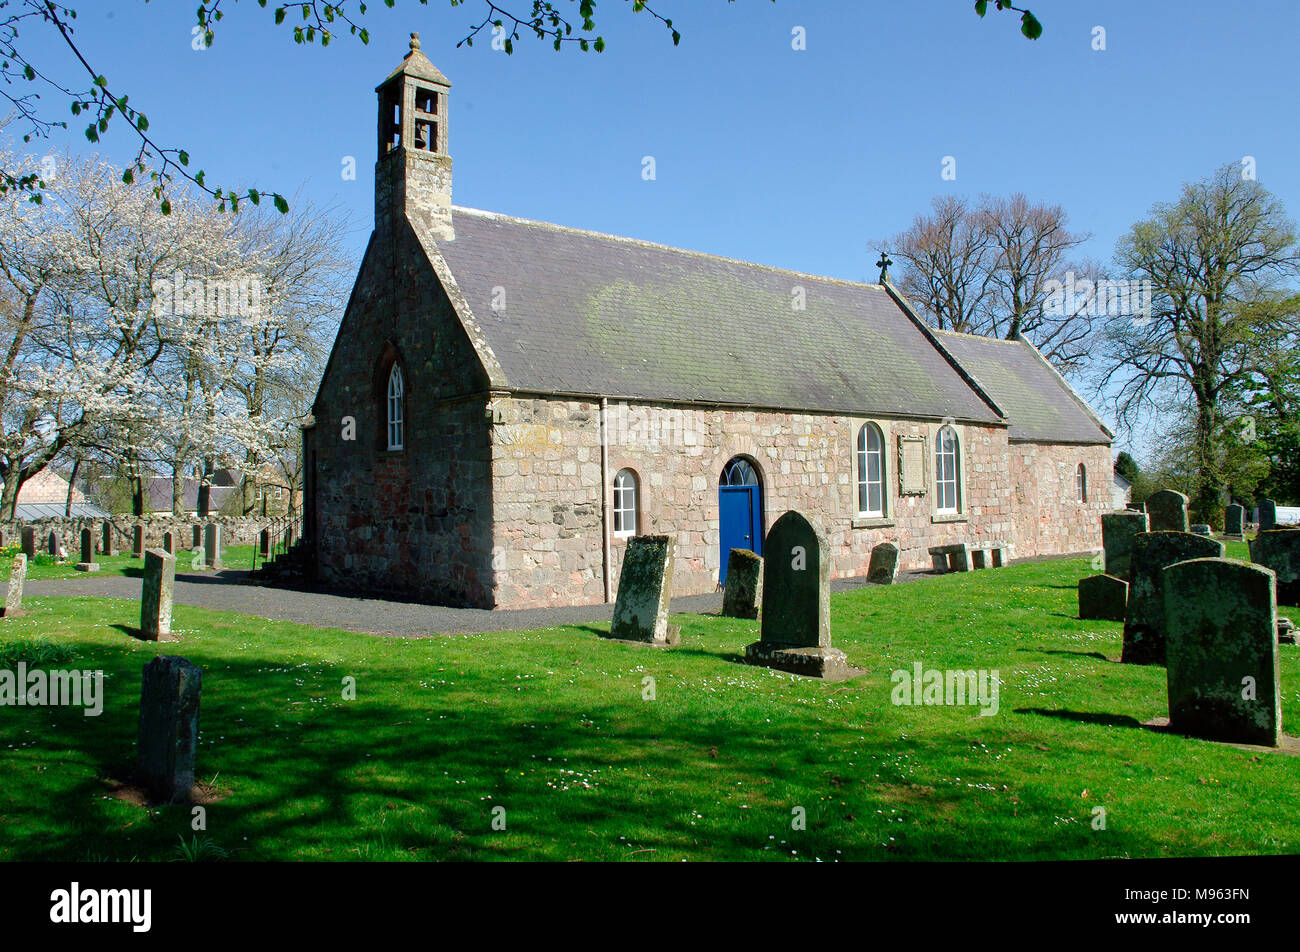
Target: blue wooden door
739,522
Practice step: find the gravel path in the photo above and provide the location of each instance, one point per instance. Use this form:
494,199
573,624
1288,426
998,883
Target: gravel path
226,591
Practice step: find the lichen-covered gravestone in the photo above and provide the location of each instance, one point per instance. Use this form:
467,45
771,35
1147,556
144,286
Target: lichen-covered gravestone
212,545
1167,511
796,627
1118,530
744,589
1222,667
883,567
1153,552
645,585
1234,521
137,542
169,727
13,607
106,539
29,542
1279,551
1103,597
156,593
1267,515
87,563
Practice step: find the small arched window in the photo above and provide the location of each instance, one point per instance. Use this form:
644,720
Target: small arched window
1081,482
739,472
624,504
871,471
396,418
947,475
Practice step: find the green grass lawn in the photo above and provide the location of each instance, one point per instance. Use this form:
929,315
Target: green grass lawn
233,557
552,726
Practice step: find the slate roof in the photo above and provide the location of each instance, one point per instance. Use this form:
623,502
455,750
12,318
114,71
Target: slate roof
31,511
598,315
1039,405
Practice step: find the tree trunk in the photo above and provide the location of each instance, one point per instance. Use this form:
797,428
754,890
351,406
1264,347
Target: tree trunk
205,489
178,489
72,487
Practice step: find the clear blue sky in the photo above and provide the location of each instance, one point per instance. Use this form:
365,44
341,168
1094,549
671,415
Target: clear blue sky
792,158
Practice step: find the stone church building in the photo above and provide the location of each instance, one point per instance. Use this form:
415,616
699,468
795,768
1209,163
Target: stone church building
508,401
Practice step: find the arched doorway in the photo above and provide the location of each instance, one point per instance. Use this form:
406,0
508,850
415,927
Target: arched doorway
740,510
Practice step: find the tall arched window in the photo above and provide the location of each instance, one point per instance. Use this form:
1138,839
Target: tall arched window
624,504
871,471
947,475
396,427
1081,482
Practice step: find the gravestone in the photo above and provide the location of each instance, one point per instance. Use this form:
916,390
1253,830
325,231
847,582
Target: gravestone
1104,597
796,614
1222,661
1201,529
106,542
645,585
13,607
87,563
212,546
1118,530
169,543
883,567
169,727
156,593
197,540
1234,521
137,542
264,543
1167,511
1267,515
1144,624
743,592
53,544
29,542
1279,551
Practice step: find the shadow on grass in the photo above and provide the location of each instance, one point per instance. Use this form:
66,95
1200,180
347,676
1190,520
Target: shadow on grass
1066,651
1084,717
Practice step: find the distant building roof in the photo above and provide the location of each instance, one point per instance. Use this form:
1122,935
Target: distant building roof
31,511
158,495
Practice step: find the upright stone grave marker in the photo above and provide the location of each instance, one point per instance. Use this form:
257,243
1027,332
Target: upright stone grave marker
13,607
1103,597
87,563
1267,515
169,543
264,543
29,542
883,567
169,727
1222,668
212,546
1118,530
137,542
644,589
197,540
1167,511
1153,552
106,543
156,594
53,544
1234,521
796,627
1279,551
743,592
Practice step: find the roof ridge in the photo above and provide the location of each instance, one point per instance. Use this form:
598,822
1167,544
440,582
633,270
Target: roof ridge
643,243
1000,340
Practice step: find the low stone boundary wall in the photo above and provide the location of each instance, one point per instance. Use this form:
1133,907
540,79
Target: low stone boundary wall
241,530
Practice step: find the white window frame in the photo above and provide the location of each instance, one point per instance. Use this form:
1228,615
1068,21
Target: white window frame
1081,483
947,473
624,512
868,434
396,418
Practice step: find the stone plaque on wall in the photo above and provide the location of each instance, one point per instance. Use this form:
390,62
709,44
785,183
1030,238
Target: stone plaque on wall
911,466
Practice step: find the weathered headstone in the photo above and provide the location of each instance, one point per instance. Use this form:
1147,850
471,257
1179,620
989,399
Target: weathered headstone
1167,511
156,593
13,607
137,542
1118,530
1144,624
644,588
87,563
1222,661
53,543
197,540
29,541
1234,521
169,543
1279,551
883,567
1267,515
212,546
170,694
743,591
1104,597
796,615
264,543
1201,529
106,542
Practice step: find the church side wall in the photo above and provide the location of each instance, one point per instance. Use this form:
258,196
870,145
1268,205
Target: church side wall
1049,518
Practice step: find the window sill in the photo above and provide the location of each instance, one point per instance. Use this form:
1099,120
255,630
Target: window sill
949,517
872,522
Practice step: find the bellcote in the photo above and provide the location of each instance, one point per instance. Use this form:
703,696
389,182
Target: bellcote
413,169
